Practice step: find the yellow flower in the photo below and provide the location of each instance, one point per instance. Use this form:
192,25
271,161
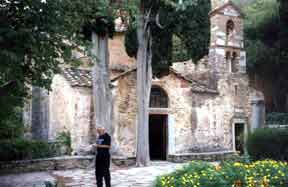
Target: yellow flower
218,167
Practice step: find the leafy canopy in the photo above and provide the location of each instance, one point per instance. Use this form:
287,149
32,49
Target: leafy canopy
266,42
37,37
186,20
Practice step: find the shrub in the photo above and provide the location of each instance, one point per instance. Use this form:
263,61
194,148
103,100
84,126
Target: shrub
265,173
277,118
11,126
22,149
268,144
64,138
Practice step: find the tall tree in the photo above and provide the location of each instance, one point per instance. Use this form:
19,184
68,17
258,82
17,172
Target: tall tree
144,79
38,36
147,16
266,36
33,39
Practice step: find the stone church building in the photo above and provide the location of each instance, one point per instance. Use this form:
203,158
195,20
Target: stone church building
196,108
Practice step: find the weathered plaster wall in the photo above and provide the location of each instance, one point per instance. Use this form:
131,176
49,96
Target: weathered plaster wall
62,106
125,114
219,32
200,122
70,110
82,131
118,55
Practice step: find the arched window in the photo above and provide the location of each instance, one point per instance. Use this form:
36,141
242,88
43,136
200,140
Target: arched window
158,98
234,63
229,27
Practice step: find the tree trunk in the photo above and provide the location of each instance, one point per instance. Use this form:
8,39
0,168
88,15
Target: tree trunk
144,79
102,95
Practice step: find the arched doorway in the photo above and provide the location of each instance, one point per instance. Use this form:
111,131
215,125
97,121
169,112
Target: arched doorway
158,131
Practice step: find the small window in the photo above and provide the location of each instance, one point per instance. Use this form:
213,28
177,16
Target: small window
234,63
228,55
236,90
229,27
158,98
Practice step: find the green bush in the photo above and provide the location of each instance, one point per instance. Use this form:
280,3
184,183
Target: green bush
265,173
22,149
277,118
11,126
64,138
268,144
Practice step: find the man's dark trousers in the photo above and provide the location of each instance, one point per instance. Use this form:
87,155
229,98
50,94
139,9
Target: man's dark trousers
102,170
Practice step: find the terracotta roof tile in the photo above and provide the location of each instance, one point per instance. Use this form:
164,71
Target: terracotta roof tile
82,78
78,77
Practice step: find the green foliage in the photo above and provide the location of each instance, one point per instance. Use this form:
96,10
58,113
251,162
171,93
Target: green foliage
257,174
22,149
179,51
277,118
189,22
192,26
245,158
96,16
11,126
131,41
266,34
36,37
64,138
268,144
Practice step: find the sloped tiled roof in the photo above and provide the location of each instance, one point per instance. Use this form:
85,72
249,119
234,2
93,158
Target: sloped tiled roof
78,77
82,78
195,85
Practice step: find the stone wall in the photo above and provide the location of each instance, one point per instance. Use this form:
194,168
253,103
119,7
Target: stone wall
125,107
201,122
82,131
198,119
211,156
49,164
117,52
39,114
219,32
62,107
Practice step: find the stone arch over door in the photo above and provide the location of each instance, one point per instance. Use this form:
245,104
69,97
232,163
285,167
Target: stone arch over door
158,98
158,123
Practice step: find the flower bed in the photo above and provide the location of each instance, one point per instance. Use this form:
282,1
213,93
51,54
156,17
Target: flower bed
265,173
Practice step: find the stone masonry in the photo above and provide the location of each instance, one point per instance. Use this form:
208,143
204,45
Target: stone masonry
205,100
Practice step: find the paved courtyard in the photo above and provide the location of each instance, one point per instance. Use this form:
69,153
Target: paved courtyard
121,177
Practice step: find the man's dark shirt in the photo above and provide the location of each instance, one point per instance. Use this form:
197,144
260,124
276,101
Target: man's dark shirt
104,139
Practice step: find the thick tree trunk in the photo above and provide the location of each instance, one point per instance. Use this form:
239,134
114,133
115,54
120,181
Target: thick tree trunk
102,96
144,79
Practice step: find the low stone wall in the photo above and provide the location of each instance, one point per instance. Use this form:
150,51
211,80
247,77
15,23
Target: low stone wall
209,156
277,126
87,162
56,163
124,161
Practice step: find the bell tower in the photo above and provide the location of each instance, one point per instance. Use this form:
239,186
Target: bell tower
226,53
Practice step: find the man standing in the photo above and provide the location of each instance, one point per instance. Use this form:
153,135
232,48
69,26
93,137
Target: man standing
102,161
